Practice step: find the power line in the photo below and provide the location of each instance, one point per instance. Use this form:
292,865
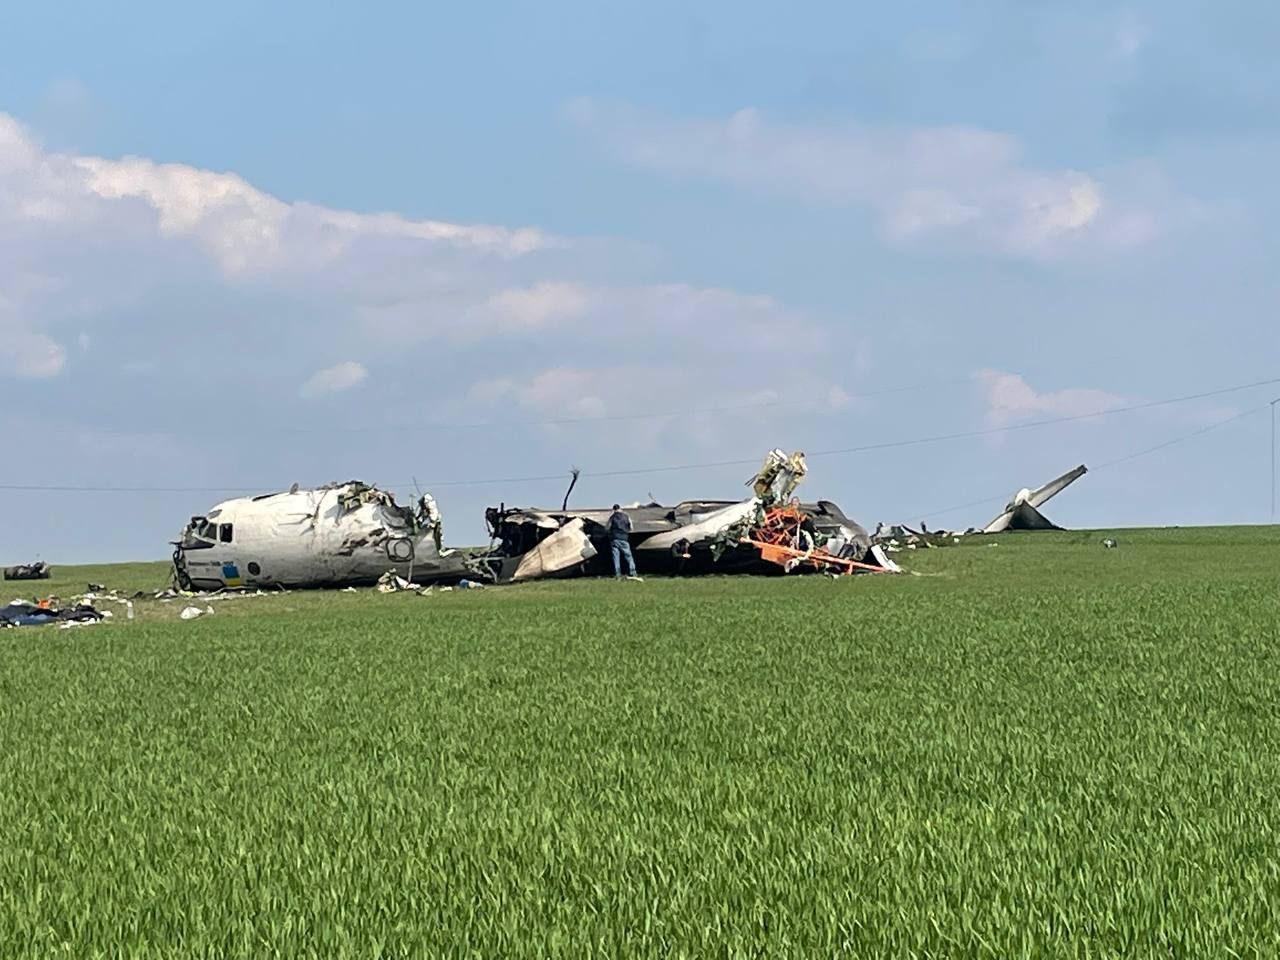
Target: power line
940,438
375,426
1273,458
670,414
1176,440
1114,463
974,434
680,468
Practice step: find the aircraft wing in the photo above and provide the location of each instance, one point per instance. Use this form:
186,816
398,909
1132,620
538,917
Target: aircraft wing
1051,489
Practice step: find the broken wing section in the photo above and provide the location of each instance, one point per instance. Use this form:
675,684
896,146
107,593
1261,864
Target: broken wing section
1022,512
1051,489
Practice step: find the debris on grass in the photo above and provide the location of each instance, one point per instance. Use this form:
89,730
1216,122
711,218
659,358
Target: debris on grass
22,613
29,571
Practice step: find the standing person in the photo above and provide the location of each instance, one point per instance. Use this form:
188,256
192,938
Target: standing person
620,542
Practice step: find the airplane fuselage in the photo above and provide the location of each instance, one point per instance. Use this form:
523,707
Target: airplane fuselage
332,536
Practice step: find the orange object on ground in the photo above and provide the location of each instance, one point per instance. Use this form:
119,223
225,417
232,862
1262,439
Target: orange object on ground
778,540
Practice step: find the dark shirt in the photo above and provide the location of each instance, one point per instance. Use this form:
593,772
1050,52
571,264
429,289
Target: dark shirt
619,526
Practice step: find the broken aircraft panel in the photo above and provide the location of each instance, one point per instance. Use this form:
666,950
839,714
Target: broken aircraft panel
568,547
347,534
29,571
1023,511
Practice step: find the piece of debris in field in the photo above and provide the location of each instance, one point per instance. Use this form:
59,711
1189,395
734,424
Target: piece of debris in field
29,571
339,535
894,538
389,582
20,613
1023,511
771,532
1110,544
191,613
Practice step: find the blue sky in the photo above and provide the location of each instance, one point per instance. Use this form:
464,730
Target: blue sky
256,244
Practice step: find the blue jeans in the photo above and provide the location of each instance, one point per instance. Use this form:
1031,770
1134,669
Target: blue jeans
622,548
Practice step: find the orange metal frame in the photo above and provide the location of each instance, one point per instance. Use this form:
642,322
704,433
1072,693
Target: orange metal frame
778,538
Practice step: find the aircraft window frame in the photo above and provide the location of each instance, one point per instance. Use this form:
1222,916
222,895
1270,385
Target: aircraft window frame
226,532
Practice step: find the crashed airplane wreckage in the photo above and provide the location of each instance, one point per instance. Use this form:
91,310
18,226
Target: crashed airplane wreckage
348,534
768,533
29,571
1023,511
354,534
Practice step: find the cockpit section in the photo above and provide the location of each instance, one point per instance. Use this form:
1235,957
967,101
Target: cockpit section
202,533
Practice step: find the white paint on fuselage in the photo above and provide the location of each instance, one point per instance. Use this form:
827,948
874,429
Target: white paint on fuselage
304,538
707,527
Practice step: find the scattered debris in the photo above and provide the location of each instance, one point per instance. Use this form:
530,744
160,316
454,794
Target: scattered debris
29,571
390,582
894,538
1020,513
98,596
1110,544
21,613
190,613
68,624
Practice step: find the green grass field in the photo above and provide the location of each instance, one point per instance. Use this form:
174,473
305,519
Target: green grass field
1039,749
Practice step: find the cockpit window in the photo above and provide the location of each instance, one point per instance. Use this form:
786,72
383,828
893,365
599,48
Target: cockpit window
200,534
225,533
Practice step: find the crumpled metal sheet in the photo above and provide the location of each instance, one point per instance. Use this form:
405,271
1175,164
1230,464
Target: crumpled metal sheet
565,548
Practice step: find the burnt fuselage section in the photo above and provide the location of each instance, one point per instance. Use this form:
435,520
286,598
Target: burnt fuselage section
656,540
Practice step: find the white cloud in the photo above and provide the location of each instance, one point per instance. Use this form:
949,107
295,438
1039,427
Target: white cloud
708,321
659,403
247,230
965,184
561,392
1131,35
30,355
335,379
537,306
193,272
16,148
82,235
1011,400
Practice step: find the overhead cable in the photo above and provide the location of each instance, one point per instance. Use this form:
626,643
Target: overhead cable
684,467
